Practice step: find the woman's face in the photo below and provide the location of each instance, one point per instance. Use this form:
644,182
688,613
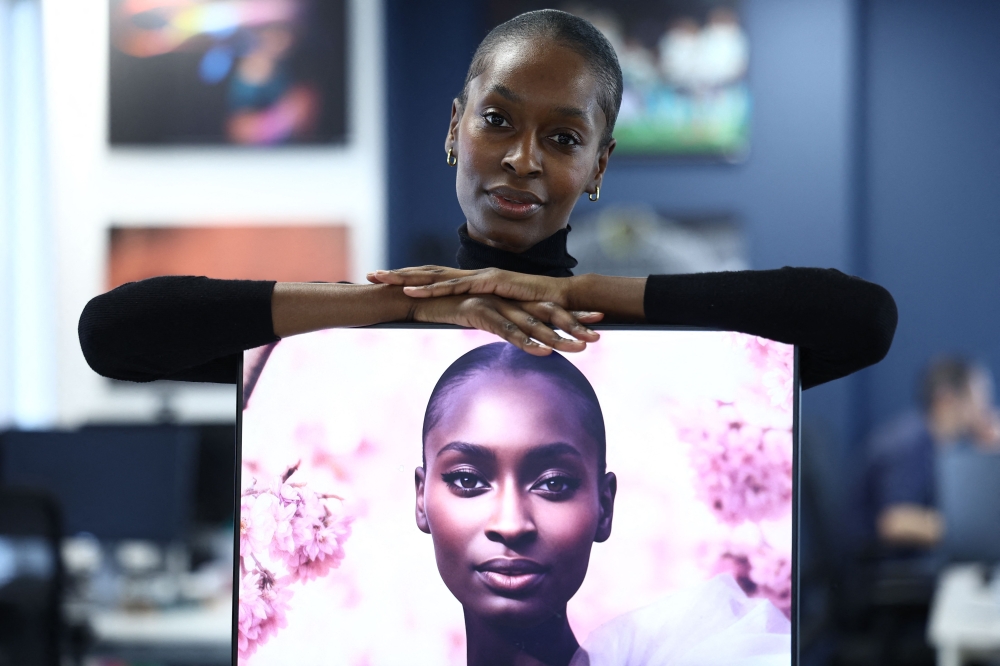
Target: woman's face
528,143
513,498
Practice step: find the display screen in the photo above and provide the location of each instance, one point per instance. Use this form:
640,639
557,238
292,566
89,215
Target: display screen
239,72
433,496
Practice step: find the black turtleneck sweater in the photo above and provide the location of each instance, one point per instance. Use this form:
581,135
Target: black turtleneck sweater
195,328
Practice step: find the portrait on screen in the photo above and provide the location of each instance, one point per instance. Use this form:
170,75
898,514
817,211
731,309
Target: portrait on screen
630,504
241,72
684,68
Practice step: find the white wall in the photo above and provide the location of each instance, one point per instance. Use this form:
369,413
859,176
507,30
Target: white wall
94,186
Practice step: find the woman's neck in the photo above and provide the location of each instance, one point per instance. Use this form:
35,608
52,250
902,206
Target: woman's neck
549,257
551,643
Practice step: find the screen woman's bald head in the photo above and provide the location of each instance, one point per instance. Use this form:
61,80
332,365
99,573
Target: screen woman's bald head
504,360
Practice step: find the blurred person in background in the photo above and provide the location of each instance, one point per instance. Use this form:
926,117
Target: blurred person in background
956,409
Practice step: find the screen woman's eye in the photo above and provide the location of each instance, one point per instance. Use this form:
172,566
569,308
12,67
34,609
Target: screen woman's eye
465,482
557,486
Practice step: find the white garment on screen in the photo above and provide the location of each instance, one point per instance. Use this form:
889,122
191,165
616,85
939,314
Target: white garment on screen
710,624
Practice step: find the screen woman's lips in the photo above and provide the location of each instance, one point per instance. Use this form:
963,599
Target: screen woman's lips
512,203
512,576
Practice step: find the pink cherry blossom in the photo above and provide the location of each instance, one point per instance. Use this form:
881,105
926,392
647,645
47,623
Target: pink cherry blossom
285,527
263,605
744,472
262,518
761,571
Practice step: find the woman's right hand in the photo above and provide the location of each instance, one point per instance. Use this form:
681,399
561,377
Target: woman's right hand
527,325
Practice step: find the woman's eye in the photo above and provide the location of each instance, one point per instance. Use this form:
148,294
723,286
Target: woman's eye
558,485
465,481
495,119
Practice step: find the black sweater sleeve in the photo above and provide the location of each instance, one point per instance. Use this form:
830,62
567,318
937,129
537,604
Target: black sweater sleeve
194,328
840,323
176,327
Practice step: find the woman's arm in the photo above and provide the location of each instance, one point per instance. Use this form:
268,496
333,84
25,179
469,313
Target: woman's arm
195,328
841,323
176,327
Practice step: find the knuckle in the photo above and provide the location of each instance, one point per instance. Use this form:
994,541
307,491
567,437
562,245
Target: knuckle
531,320
509,326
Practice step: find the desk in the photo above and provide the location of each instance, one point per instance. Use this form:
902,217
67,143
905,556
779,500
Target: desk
965,617
198,634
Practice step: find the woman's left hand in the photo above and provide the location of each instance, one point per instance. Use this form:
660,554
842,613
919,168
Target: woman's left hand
428,281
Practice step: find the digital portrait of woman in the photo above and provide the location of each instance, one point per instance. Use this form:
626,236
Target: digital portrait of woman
514,492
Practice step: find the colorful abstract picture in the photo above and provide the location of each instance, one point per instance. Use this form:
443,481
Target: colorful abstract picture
684,64
242,72
436,496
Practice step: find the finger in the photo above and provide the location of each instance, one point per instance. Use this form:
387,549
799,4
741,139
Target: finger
588,317
538,329
494,322
450,287
558,317
420,275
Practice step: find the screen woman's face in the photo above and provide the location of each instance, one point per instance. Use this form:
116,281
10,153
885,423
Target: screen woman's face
513,498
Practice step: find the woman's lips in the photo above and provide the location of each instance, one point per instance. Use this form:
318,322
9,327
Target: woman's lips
513,205
511,576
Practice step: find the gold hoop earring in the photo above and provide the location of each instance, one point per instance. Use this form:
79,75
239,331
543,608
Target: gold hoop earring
451,159
594,196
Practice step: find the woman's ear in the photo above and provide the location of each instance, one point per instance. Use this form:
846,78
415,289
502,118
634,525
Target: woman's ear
418,479
602,165
456,116
609,486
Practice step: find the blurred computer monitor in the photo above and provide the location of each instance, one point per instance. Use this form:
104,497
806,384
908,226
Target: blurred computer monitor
132,482
969,496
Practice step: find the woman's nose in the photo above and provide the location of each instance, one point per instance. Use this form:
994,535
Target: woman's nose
523,158
511,522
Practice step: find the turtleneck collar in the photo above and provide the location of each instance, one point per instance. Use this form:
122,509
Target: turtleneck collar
548,257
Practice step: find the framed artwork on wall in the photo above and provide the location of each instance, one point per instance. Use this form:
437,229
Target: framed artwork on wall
684,64
237,72
292,253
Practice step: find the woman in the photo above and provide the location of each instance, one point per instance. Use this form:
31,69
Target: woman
530,133
514,493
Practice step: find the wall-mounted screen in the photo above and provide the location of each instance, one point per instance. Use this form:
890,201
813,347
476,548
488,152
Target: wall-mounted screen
243,72
433,496
684,64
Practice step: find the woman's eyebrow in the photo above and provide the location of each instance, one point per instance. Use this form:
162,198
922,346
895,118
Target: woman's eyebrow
504,91
547,452
508,94
572,112
472,450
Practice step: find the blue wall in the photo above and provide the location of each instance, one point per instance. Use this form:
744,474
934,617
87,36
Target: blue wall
933,164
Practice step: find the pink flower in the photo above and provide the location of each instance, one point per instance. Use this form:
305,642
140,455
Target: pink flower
778,384
262,610
744,472
262,518
319,538
760,571
285,526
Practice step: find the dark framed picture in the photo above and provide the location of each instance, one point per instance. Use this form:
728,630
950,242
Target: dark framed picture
236,72
684,64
